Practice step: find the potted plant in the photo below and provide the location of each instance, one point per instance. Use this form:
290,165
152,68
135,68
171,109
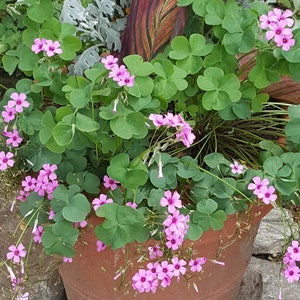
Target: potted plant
151,156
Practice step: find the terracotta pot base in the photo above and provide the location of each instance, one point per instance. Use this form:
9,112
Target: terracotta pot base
91,274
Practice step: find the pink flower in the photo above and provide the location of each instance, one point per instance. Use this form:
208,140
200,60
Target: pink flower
100,246
51,214
110,183
196,264
277,29
13,138
5,160
279,15
38,234
185,135
178,266
291,273
67,259
258,184
267,194
158,120
155,252
29,183
153,267
109,62
97,202
171,200
265,20
131,204
236,168
176,222
18,102
126,79
46,181
174,240
52,48
22,196
165,270
285,41
38,45
294,251
144,281
116,72
8,114
173,120
81,224
17,252
48,170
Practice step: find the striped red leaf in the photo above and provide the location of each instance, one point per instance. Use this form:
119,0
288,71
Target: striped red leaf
150,26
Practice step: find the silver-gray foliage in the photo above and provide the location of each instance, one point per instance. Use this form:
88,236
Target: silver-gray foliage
94,25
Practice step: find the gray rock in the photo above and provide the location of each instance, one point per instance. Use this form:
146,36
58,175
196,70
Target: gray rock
263,280
270,237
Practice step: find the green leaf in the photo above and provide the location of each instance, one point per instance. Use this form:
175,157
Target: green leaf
77,208
9,63
80,97
207,206
214,160
130,125
40,11
31,122
194,232
60,238
131,174
63,134
180,48
215,12
121,226
136,66
47,127
85,124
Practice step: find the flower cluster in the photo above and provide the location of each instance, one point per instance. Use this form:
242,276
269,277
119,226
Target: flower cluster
118,73
184,130
15,105
44,184
262,190
48,46
162,272
16,254
176,224
278,25
291,271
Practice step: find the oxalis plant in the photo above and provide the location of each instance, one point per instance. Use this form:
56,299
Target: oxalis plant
179,142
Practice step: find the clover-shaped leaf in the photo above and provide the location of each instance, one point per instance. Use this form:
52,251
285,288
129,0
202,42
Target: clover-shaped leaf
188,52
130,125
122,224
60,238
187,167
221,89
215,12
241,28
40,11
73,206
131,174
207,215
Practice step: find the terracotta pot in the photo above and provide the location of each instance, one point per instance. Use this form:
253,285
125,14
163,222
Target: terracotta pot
91,274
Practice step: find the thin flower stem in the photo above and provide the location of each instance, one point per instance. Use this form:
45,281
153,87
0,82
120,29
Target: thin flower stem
3,86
